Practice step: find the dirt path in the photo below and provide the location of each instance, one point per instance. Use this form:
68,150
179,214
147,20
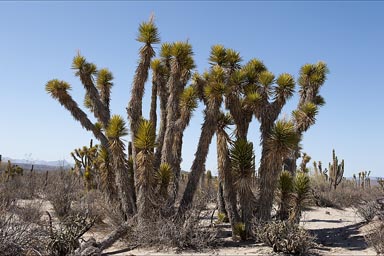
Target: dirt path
338,232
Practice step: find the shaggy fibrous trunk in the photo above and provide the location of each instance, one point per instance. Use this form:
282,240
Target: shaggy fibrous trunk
207,131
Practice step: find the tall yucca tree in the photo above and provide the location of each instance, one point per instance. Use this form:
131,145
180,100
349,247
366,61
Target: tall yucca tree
59,91
222,138
284,195
312,78
300,197
213,90
145,143
281,140
226,179
148,35
265,95
243,168
115,131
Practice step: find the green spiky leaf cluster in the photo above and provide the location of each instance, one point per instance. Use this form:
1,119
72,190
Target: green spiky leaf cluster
145,137
116,128
242,158
283,138
56,88
188,99
148,33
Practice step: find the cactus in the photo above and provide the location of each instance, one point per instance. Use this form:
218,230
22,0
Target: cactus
304,160
336,171
380,181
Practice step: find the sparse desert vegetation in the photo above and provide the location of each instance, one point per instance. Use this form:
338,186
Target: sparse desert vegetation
135,194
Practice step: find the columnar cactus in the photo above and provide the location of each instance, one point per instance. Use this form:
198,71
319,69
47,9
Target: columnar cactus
336,171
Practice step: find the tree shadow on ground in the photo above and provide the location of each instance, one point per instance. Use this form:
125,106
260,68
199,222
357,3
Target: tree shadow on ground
348,237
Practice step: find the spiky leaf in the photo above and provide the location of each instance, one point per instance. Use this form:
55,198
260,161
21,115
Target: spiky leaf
145,137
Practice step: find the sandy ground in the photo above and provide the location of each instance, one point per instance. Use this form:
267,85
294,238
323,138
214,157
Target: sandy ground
338,232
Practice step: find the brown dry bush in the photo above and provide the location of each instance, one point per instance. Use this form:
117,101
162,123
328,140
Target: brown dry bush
64,238
286,237
20,237
161,232
345,195
367,210
62,189
375,238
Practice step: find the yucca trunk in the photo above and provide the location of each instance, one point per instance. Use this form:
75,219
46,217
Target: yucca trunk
267,181
173,113
163,95
207,131
145,172
220,197
229,192
152,112
123,187
135,105
175,163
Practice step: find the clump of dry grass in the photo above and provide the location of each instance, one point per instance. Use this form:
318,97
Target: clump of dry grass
375,238
368,210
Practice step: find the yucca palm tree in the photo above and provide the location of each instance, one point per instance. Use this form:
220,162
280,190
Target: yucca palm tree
163,178
285,189
146,176
214,90
243,167
266,100
312,78
281,141
301,196
148,35
222,138
115,131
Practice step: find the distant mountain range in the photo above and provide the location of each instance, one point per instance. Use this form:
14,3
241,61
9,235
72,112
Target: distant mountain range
40,165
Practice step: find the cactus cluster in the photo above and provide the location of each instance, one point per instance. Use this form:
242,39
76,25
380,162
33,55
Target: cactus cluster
336,171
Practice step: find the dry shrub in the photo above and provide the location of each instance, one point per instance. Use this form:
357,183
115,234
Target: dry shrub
345,195
65,238
93,204
285,236
29,211
375,238
19,238
163,232
368,210
63,188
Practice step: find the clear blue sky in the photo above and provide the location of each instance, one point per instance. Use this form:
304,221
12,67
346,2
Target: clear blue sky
39,40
